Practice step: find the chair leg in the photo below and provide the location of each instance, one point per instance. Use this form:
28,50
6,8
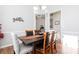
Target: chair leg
44,52
55,47
14,52
51,48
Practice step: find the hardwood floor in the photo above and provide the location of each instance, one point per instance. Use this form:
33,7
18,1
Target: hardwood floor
59,46
7,50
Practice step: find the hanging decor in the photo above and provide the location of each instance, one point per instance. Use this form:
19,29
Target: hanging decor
18,19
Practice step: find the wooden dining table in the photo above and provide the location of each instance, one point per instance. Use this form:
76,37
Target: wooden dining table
30,39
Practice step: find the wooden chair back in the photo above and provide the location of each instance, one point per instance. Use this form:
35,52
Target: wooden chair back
45,44
52,37
36,32
29,32
52,42
46,38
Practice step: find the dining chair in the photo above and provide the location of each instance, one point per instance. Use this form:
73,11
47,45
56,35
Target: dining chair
52,42
37,32
29,32
19,48
45,49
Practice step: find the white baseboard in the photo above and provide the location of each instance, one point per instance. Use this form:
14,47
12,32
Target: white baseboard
5,46
70,32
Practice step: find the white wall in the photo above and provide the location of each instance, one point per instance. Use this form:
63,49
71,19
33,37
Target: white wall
69,25
69,17
1,14
69,20
50,9
26,12
9,12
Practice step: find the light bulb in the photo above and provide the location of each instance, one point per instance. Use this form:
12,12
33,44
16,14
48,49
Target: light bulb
35,8
44,7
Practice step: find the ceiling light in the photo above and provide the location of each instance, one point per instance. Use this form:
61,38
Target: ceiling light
35,8
43,7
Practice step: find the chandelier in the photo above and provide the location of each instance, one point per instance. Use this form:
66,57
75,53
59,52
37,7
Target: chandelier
39,9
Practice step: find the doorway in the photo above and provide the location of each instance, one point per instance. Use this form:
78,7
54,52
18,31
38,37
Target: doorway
55,18
40,21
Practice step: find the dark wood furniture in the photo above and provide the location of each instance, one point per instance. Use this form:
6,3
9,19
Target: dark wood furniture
37,32
29,32
52,43
46,48
31,39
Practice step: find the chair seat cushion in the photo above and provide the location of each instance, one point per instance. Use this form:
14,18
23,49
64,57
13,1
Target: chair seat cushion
25,49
